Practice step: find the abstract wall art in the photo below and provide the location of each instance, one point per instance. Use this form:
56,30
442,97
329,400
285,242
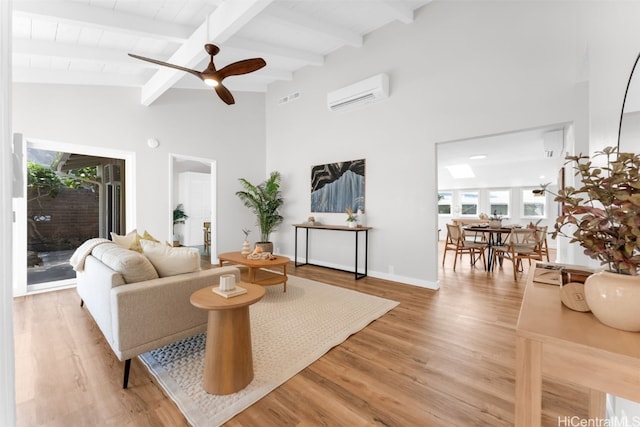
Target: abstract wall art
338,186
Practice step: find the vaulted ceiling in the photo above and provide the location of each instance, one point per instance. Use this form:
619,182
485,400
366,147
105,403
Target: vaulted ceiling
86,41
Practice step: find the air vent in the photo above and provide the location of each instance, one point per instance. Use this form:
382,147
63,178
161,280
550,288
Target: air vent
289,98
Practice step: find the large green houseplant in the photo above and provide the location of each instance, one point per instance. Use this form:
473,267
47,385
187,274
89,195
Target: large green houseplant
264,201
602,214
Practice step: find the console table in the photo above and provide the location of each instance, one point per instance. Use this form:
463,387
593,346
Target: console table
571,346
355,230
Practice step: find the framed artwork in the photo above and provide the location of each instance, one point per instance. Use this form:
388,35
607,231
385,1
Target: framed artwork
338,186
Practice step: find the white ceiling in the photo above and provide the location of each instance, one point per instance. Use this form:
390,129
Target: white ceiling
86,41
514,159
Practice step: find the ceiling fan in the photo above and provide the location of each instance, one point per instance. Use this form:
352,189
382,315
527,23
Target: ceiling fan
212,77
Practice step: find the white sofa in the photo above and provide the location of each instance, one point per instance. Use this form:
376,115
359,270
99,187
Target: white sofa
136,310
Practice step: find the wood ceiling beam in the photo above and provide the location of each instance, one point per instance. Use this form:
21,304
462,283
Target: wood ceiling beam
285,17
79,14
223,22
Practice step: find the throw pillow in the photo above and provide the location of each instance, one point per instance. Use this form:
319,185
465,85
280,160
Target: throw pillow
147,236
133,266
128,241
170,261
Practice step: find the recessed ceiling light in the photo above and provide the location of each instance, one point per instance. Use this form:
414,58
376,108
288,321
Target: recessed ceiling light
542,176
461,171
478,157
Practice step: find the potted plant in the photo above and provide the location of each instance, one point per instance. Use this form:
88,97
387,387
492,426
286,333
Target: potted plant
352,218
264,200
179,217
602,214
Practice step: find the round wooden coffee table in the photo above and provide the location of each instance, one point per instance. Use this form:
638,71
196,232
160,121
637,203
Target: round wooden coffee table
264,278
228,361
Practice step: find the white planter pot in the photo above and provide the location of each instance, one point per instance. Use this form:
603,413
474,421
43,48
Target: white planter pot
352,224
614,299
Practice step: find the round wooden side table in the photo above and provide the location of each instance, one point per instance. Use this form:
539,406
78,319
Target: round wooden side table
228,362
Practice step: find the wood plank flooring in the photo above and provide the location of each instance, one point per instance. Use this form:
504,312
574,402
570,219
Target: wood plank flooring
441,358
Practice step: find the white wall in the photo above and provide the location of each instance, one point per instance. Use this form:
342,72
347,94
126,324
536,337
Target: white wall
7,354
185,122
462,69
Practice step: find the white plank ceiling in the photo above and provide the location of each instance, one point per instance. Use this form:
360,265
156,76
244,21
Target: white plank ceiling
86,41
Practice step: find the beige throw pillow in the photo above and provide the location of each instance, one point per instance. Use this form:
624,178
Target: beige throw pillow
170,261
128,241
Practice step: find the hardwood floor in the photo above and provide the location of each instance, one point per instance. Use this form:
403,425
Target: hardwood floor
441,358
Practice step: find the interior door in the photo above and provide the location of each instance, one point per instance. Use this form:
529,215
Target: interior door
195,195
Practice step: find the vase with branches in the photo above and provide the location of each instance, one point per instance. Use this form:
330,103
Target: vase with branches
602,214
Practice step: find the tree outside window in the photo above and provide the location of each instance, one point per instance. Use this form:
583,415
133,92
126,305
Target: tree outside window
499,202
469,202
444,202
533,205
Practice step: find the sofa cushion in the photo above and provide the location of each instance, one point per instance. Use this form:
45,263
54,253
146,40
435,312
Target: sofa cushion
170,261
133,266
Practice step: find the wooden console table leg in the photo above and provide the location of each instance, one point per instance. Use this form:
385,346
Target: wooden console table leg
597,404
528,383
284,272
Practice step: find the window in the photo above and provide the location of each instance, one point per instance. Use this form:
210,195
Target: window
499,202
444,202
532,205
469,201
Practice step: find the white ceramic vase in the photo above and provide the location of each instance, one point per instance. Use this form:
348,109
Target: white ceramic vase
614,299
351,224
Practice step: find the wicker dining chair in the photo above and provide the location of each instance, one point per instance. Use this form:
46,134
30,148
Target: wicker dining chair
456,242
520,244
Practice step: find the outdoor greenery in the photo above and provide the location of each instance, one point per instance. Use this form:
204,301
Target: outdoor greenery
603,213
45,182
264,200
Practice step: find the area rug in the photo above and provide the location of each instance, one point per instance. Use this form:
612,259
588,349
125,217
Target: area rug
289,331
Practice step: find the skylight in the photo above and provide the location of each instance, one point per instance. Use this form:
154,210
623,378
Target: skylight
461,171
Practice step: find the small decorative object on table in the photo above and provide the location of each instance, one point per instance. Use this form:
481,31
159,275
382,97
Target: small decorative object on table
572,289
352,218
228,287
259,253
495,220
246,247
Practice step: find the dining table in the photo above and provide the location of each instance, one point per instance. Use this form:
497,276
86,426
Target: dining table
493,236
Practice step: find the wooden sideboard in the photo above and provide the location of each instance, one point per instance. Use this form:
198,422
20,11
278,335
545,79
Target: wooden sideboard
556,342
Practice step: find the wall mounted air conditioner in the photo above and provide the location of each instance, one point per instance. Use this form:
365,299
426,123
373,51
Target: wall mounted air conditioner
363,92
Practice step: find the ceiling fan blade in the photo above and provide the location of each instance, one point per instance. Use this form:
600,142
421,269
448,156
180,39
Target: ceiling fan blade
166,64
224,94
241,67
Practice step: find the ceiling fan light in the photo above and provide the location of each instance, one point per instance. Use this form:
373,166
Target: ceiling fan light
211,82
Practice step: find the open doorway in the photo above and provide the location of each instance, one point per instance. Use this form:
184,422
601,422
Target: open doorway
193,189
71,193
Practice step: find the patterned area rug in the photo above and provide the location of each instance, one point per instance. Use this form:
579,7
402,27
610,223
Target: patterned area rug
289,331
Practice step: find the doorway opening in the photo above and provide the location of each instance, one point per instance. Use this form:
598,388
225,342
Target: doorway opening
193,187
71,194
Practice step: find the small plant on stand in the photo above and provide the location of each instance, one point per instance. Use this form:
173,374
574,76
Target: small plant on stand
352,218
179,217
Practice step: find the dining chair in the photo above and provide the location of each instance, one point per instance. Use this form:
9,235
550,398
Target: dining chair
541,237
458,243
206,228
520,244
